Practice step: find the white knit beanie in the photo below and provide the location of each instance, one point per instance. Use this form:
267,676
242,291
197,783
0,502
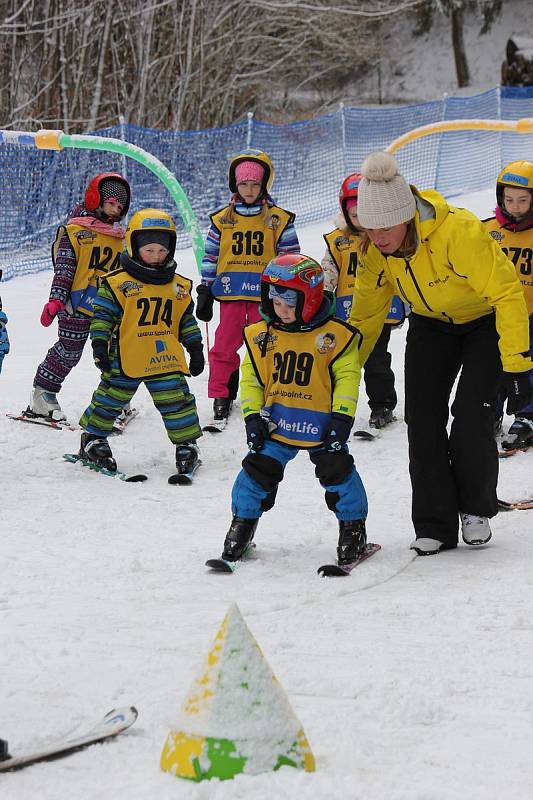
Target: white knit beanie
384,196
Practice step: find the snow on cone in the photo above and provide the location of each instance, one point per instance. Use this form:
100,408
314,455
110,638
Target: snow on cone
237,717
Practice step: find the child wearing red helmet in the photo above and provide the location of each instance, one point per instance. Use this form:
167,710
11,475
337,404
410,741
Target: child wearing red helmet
340,267
86,247
299,388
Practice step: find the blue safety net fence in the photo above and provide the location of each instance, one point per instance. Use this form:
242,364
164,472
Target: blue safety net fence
38,187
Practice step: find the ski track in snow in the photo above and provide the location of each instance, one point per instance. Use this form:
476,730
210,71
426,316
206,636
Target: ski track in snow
413,677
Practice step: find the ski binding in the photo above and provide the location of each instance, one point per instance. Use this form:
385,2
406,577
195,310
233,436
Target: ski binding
73,458
115,722
335,570
120,424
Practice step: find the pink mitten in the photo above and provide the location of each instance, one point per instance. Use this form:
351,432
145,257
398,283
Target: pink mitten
50,310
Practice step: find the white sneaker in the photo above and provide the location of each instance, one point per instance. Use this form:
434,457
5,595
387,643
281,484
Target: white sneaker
426,546
45,404
476,530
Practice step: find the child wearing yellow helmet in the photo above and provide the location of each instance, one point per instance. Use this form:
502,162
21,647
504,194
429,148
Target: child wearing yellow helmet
143,319
243,237
512,227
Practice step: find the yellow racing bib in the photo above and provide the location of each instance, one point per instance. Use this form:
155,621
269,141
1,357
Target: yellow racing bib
518,247
96,255
247,244
148,342
295,370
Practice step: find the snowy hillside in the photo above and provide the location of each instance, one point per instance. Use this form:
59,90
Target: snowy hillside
413,678
414,69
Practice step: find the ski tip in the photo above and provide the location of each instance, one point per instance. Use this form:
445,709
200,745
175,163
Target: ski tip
219,565
136,478
180,480
127,714
365,435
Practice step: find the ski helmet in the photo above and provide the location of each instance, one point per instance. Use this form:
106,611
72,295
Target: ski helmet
104,186
349,191
260,158
158,224
518,174
300,273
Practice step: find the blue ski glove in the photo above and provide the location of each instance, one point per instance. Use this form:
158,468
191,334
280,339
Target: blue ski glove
204,304
518,389
337,432
101,355
4,338
196,361
256,432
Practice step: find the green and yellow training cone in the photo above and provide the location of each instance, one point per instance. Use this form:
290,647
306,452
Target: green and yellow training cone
236,717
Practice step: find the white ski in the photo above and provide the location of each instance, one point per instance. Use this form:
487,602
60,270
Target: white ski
115,722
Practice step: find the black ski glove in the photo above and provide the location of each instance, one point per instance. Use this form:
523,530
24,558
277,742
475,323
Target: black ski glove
518,389
256,432
196,361
337,432
204,304
101,355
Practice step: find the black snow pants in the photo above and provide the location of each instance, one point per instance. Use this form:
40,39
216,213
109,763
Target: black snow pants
455,472
378,375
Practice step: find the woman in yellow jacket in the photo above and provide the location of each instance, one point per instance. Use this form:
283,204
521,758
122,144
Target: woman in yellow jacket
468,319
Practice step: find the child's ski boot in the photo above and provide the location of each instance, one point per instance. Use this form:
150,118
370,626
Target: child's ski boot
238,538
97,450
187,460
352,540
44,404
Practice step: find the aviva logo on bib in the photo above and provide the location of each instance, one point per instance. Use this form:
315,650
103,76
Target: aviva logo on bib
160,346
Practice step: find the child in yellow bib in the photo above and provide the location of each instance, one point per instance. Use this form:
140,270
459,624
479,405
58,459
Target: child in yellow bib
243,237
512,228
299,390
143,320
340,268
86,247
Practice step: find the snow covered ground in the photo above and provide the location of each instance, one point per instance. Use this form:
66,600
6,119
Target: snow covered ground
413,678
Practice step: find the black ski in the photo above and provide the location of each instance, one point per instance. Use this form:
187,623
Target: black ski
365,435
337,571
216,425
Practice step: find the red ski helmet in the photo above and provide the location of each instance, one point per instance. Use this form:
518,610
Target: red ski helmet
105,185
300,273
349,191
